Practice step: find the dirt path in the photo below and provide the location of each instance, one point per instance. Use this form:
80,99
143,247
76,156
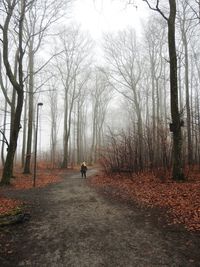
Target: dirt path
72,225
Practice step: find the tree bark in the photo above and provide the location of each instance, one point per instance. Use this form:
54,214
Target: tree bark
4,130
24,132
189,137
17,86
65,141
177,172
30,110
8,167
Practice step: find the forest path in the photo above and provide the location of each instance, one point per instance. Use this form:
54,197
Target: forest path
72,225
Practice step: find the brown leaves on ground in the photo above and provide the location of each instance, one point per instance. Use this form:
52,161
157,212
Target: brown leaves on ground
182,200
8,205
23,181
42,179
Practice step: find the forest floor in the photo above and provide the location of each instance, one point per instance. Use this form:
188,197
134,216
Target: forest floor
87,222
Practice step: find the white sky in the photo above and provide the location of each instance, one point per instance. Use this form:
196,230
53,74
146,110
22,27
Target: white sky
98,16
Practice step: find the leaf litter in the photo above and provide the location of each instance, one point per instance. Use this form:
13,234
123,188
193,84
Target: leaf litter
25,182
182,200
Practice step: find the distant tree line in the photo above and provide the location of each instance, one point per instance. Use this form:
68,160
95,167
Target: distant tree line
159,78
154,77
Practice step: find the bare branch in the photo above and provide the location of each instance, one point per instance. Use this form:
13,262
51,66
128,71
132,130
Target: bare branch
2,85
156,8
4,138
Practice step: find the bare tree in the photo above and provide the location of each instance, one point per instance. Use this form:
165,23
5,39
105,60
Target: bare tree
155,45
13,12
42,15
175,114
101,94
54,118
186,28
81,116
122,53
71,63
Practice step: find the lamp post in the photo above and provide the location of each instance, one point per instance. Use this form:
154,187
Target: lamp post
36,134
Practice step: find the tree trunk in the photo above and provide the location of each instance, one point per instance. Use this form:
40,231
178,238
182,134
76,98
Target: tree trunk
65,141
17,86
94,122
153,111
78,136
27,164
179,85
4,130
24,133
177,173
190,152
7,171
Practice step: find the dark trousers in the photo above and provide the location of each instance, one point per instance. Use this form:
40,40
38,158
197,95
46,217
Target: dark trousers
83,173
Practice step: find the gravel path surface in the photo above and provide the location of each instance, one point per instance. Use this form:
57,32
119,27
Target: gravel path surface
73,225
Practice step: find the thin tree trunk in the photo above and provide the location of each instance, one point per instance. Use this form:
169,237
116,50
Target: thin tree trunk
65,151
24,133
27,165
153,112
4,130
189,138
179,85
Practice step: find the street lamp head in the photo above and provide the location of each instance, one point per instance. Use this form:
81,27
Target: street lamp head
40,104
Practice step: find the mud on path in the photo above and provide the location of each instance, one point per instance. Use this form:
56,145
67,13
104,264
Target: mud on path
73,225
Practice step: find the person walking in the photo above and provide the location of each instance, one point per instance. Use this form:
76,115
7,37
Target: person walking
83,169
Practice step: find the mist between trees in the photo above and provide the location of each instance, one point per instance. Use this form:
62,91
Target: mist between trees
118,112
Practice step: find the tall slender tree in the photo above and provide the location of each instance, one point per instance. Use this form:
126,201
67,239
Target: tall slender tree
124,59
176,124
71,64
186,24
41,16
